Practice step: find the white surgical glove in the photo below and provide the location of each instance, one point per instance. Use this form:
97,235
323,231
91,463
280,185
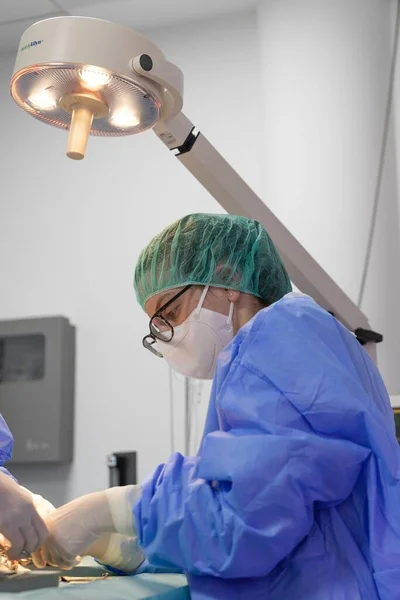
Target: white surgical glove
78,525
117,551
43,506
20,523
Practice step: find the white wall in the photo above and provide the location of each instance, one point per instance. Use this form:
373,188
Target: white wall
70,234
325,69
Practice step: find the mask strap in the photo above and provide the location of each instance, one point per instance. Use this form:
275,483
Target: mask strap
202,298
230,316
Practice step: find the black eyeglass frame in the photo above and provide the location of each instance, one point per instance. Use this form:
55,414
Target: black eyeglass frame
151,338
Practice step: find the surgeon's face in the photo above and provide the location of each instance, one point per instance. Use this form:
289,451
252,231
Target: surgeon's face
178,311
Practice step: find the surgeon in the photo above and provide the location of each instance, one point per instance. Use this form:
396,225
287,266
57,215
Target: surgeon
22,529
295,491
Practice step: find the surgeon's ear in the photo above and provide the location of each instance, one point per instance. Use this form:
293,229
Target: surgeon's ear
233,295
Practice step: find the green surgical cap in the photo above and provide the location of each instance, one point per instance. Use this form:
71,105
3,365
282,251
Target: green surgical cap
218,250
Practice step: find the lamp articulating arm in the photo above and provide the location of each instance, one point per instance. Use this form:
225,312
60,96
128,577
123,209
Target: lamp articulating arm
214,173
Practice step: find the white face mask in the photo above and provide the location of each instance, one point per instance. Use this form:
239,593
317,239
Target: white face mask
197,342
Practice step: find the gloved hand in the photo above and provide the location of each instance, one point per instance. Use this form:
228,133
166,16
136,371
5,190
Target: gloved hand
20,522
43,507
77,525
117,551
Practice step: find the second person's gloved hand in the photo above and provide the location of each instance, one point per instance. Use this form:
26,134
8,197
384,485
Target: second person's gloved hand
78,525
20,523
43,508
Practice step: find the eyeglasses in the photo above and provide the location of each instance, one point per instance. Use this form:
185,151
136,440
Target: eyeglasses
160,329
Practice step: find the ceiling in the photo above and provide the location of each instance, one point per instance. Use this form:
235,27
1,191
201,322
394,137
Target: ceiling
17,15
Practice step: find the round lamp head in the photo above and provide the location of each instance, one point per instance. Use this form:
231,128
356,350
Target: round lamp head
49,91
77,73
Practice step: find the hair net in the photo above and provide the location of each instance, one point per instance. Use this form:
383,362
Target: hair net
219,250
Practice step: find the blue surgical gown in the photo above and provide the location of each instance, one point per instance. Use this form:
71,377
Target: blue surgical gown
295,491
6,446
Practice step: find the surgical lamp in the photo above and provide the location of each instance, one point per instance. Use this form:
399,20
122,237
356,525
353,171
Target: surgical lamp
91,76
